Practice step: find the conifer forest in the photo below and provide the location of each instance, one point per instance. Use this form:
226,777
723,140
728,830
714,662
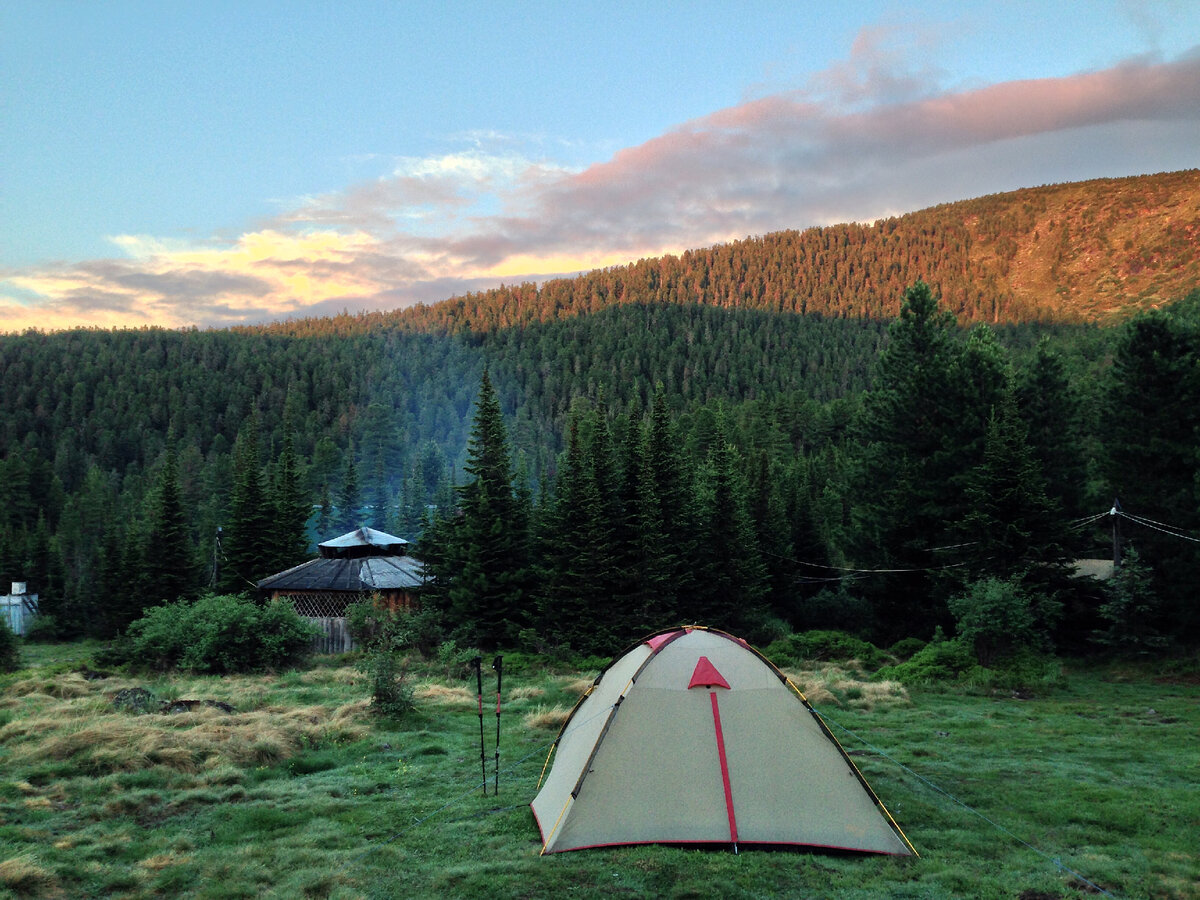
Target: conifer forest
875,429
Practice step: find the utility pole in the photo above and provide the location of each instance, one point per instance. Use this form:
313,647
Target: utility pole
1115,512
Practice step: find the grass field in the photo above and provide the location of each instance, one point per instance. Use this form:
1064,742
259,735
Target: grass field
300,792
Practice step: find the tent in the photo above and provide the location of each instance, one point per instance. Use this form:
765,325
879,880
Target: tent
693,737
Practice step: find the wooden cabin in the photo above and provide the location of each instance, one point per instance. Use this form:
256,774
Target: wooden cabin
362,563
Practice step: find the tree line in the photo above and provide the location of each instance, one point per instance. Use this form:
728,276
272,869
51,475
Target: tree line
801,471
956,492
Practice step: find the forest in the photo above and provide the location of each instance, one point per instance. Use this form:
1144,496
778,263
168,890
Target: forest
682,439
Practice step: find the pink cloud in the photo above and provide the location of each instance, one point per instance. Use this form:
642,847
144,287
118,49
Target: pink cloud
867,139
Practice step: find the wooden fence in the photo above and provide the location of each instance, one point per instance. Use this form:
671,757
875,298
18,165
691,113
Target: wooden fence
334,637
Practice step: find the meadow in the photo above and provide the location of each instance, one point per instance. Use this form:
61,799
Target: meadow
286,785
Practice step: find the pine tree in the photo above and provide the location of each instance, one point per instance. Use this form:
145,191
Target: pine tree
349,499
168,554
1150,430
292,509
901,484
732,581
248,544
483,561
1050,408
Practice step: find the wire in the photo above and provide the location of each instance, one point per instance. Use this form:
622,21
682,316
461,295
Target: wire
1149,523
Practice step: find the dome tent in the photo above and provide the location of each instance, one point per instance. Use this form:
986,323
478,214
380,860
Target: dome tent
693,737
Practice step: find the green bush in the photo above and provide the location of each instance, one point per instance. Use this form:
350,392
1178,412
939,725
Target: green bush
391,693
10,650
822,646
997,618
905,648
219,634
941,661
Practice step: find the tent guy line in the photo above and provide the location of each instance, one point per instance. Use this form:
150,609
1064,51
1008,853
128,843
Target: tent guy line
1057,861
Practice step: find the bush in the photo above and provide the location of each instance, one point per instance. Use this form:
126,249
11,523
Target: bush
42,629
940,661
1131,610
10,651
219,634
998,618
820,646
391,694
905,648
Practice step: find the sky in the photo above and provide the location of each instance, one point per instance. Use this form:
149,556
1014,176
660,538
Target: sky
220,163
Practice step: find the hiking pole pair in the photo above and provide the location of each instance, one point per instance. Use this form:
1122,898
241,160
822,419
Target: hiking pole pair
477,665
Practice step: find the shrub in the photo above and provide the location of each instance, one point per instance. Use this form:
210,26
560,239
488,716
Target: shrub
219,634
10,651
1131,610
997,618
906,647
391,693
940,661
822,646
384,633
42,629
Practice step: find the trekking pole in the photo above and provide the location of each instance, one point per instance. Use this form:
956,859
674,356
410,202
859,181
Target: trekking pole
497,665
477,663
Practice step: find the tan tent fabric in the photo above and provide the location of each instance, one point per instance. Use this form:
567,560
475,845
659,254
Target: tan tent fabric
639,760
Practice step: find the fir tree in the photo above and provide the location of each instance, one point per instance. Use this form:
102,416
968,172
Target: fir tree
248,544
483,560
168,554
349,499
292,509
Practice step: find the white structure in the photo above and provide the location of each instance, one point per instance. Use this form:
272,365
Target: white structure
18,608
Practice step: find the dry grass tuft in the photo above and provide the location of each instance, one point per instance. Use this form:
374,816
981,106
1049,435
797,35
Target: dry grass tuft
22,875
578,686
834,686
100,740
344,675
546,718
526,693
443,694
163,861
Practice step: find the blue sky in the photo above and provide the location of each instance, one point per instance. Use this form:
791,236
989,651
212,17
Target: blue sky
215,163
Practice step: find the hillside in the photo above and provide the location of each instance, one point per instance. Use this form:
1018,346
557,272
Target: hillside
1093,251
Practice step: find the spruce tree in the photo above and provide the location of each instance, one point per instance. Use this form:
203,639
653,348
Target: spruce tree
292,509
349,500
1151,423
248,543
901,483
485,562
168,554
1050,408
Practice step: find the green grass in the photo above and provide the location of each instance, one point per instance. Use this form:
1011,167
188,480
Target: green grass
300,793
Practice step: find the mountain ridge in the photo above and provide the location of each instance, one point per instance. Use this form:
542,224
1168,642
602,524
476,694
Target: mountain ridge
1093,251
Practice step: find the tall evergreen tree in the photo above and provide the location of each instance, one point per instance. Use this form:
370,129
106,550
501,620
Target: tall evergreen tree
292,509
248,544
483,562
1152,428
169,556
732,581
349,500
902,484
582,571
1050,407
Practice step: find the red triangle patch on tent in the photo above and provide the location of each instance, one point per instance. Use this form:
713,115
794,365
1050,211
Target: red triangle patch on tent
706,675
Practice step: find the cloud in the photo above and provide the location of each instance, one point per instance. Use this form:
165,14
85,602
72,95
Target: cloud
867,138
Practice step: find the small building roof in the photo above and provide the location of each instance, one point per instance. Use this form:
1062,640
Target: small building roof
357,574
363,541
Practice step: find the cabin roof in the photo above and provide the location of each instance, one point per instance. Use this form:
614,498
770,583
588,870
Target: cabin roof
363,541
353,574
